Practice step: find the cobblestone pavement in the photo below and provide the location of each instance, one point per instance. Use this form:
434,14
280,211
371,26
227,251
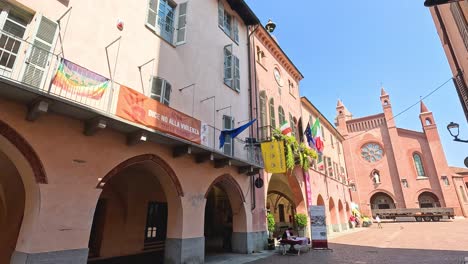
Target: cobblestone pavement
396,243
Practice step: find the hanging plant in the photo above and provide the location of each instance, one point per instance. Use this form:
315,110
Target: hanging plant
296,154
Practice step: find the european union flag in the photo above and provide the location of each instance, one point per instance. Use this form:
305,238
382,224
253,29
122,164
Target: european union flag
310,138
233,132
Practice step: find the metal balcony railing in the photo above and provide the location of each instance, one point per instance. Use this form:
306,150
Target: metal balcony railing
35,68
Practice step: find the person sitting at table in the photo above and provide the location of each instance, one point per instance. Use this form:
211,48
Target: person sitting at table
288,233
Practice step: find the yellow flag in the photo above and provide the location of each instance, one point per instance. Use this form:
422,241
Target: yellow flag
274,157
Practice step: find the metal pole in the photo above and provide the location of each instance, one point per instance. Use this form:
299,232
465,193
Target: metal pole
214,117
111,94
193,95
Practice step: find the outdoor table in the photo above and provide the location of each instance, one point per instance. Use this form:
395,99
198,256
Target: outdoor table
301,241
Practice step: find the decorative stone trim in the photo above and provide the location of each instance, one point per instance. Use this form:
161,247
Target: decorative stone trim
139,159
26,149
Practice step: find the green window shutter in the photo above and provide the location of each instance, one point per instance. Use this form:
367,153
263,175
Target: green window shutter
182,23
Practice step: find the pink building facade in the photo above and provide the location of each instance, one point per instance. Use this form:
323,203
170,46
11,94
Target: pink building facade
391,167
110,118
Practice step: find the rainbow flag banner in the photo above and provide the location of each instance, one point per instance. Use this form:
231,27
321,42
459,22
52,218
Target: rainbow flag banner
74,80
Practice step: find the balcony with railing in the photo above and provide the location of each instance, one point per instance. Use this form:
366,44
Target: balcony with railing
46,82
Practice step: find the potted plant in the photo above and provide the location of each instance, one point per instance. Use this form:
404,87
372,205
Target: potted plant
301,222
271,229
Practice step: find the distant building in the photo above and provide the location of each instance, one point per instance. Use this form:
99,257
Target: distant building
451,24
329,178
391,167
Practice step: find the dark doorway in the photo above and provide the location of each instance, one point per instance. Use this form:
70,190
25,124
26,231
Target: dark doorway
218,222
97,228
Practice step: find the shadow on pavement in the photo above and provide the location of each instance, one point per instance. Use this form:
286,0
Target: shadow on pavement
349,254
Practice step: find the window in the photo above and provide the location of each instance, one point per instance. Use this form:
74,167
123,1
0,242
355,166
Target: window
329,167
263,115
460,20
371,152
418,165
331,139
160,90
260,56
292,124
156,222
462,191
291,88
311,122
160,18
13,30
182,24
335,171
231,69
228,23
281,116
228,123
281,212
323,133
272,113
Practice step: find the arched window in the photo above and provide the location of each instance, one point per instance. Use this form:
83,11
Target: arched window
272,113
462,191
281,116
292,124
263,114
418,164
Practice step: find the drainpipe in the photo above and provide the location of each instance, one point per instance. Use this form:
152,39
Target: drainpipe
252,93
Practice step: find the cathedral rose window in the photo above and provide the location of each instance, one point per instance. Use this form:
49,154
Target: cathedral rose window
371,152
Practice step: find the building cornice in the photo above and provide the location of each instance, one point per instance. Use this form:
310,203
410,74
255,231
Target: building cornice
323,120
280,56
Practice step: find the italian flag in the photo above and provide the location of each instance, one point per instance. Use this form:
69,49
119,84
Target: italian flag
317,135
285,128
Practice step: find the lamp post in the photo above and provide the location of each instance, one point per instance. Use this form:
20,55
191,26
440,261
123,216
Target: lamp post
454,130
429,3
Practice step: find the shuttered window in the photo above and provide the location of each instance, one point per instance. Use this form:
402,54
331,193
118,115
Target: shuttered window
272,113
228,23
161,90
10,40
182,23
231,69
40,53
228,123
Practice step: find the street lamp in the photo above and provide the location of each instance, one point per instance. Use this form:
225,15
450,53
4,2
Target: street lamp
429,3
270,26
454,130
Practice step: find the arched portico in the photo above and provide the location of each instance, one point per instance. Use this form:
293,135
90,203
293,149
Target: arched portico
334,216
21,170
142,196
284,200
428,200
342,216
225,217
382,200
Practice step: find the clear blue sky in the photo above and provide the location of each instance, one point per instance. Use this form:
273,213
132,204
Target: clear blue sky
346,49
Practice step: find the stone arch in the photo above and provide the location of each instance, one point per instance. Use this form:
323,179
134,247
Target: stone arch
141,159
428,199
26,150
333,214
23,165
320,200
382,200
341,214
140,194
236,200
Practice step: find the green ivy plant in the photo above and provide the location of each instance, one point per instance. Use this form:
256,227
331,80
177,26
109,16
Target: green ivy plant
296,154
301,221
271,224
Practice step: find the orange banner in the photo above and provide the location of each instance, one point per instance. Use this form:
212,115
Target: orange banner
141,109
